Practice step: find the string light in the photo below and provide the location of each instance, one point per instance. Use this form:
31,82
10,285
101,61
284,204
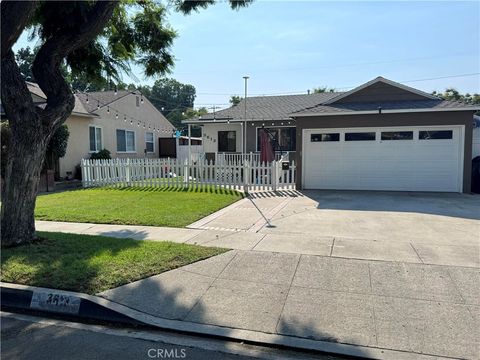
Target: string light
141,98
117,113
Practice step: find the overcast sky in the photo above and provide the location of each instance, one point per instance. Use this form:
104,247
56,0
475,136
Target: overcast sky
292,46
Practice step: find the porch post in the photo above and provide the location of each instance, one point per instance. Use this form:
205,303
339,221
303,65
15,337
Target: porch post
189,143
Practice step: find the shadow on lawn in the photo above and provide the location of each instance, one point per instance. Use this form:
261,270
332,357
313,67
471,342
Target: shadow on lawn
178,189
89,263
181,294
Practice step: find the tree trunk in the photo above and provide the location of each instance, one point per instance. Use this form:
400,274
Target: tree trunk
32,127
25,160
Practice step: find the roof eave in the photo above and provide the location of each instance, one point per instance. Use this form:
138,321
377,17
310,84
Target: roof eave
384,111
386,81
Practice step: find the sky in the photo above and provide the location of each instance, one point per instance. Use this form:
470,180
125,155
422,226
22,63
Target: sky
290,46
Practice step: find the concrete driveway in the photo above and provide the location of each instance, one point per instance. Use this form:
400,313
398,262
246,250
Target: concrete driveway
431,228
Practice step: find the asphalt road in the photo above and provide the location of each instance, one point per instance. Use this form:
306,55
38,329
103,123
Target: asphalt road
33,338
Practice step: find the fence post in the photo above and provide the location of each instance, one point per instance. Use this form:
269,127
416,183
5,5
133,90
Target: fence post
186,173
274,175
127,171
82,168
246,175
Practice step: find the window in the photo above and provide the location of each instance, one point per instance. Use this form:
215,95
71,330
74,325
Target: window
325,137
281,138
360,136
397,135
227,141
125,141
137,100
149,143
435,134
95,135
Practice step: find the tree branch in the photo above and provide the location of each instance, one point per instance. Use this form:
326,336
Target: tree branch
46,66
15,16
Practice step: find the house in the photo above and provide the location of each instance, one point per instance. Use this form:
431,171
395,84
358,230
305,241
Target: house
123,122
382,135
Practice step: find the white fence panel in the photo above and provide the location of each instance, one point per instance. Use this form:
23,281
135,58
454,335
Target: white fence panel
234,174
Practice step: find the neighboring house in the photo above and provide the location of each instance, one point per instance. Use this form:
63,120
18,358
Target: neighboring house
476,136
381,135
123,122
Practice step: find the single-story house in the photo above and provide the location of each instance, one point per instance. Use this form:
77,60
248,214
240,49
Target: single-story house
382,135
123,122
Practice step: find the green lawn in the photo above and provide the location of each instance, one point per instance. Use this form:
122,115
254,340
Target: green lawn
92,264
134,206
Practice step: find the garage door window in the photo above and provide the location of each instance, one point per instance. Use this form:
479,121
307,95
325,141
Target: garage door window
325,137
360,136
397,135
435,135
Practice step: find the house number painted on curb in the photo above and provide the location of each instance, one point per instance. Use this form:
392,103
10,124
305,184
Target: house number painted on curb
51,301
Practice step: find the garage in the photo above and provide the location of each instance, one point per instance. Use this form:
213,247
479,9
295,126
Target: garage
421,158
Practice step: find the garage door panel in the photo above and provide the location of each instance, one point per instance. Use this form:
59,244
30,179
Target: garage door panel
411,165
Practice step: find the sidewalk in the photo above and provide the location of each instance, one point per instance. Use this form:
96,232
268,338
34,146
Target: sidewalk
412,308
403,294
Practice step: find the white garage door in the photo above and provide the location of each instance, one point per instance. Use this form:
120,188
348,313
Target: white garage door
401,158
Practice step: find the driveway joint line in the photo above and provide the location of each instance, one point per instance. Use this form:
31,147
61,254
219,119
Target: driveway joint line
209,286
258,242
331,247
373,305
416,252
260,224
456,288
288,293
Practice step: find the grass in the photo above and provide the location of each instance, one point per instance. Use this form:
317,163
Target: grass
134,206
92,264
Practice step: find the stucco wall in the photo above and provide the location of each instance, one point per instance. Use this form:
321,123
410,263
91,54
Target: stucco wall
78,144
405,119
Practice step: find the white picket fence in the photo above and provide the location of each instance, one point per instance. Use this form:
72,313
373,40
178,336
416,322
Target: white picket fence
248,177
251,157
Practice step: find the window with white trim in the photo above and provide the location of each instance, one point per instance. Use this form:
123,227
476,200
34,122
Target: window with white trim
149,142
95,136
125,141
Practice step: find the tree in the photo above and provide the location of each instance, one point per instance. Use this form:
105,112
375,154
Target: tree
26,56
96,40
170,95
323,89
235,100
57,147
176,116
453,95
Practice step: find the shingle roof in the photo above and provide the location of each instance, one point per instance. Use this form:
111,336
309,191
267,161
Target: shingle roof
79,108
270,107
391,105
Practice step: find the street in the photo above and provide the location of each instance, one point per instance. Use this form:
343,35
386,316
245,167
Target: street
35,338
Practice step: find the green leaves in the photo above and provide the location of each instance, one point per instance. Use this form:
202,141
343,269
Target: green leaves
137,33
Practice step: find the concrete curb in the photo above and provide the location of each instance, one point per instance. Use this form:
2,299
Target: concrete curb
19,298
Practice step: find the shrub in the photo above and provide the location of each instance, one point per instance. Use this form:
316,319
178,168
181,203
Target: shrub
78,172
102,154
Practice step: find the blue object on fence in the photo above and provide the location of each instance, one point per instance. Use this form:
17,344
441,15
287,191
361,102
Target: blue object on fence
178,133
